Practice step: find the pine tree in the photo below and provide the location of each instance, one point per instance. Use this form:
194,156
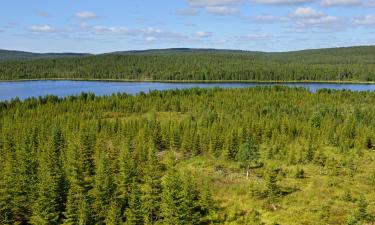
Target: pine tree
133,213
6,187
248,155
24,180
77,209
125,177
49,203
157,136
151,188
79,179
103,184
175,140
273,190
113,214
189,209
171,195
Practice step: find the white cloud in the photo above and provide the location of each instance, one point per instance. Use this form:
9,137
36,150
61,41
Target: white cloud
150,39
147,34
321,22
213,2
306,12
85,15
202,34
222,10
151,30
370,3
329,3
112,30
264,18
307,18
283,2
42,29
255,37
187,12
367,20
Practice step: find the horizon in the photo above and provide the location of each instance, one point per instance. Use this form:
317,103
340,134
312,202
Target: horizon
180,48
97,27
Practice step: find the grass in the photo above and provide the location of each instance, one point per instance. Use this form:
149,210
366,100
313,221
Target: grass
317,199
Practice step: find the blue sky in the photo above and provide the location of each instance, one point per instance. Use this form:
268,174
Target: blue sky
98,26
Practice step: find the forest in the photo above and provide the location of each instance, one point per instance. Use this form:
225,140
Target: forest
264,155
351,64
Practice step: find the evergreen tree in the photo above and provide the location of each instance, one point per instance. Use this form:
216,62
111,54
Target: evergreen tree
77,206
125,177
273,190
189,209
103,184
49,203
6,188
113,214
171,195
157,136
134,214
24,180
248,155
151,188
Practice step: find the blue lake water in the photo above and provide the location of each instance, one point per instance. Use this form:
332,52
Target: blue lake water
26,89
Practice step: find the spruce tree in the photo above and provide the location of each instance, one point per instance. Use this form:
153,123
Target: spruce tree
103,183
113,214
248,155
6,189
151,188
171,195
189,209
49,203
133,213
273,190
125,177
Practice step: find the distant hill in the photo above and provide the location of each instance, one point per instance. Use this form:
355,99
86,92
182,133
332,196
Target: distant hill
355,53
183,51
9,55
362,54
185,64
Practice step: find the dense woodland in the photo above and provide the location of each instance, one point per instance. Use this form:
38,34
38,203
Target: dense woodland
341,64
271,155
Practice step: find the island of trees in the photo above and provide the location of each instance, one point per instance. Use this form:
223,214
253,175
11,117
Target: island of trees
267,155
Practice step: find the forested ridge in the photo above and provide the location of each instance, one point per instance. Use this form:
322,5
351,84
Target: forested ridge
336,64
266,155
7,55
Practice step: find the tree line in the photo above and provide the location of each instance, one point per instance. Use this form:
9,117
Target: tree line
203,66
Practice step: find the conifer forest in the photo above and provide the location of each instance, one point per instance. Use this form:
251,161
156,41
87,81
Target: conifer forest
264,155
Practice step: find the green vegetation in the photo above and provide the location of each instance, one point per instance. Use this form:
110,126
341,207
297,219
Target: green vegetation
341,64
6,55
182,157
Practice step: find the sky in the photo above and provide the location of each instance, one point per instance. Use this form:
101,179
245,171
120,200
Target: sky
98,26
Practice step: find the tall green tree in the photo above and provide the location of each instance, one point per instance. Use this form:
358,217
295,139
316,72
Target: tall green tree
171,195
133,213
50,188
151,188
248,155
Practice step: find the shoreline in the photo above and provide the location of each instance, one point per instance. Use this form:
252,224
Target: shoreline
196,81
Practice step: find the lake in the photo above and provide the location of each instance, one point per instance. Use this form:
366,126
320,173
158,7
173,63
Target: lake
26,89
